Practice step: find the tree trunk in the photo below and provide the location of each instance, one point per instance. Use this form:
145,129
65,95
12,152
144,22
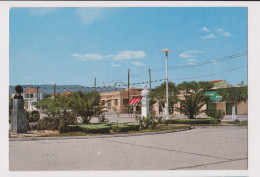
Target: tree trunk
234,112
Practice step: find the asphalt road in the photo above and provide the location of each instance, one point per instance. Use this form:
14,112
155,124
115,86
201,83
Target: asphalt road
203,148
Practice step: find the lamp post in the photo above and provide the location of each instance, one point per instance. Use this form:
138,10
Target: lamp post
29,100
166,51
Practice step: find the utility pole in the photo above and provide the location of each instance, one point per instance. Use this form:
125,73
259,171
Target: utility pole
37,94
128,87
150,79
54,91
95,84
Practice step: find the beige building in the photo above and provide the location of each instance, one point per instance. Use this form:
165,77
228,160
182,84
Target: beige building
116,100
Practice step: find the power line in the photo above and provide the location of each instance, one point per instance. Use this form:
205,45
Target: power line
212,74
204,62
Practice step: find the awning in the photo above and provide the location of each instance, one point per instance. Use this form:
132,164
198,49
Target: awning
135,100
214,96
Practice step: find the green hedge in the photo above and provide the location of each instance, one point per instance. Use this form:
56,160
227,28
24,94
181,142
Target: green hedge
192,121
74,128
89,128
119,128
133,127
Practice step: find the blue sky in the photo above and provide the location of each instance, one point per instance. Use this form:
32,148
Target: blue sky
76,45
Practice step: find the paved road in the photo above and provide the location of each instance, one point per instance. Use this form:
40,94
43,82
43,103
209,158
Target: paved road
203,148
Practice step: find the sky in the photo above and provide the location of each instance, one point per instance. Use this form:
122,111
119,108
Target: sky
75,45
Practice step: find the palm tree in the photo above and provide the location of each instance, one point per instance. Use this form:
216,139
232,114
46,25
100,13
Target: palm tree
86,105
191,106
195,98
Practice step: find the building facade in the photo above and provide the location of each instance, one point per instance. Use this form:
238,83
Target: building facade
117,100
30,96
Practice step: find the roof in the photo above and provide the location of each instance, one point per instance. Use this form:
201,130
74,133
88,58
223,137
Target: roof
216,81
31,90
220,84
67,93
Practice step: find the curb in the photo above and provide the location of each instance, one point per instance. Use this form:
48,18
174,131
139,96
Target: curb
98,136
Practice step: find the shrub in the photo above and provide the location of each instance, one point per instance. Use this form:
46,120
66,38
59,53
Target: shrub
48,123
192,121
94,128
120,128
219,114
133,127
236,121
147,122
63,126
33,116
102,118
73,128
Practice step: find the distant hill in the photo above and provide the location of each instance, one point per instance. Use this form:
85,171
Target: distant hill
49,89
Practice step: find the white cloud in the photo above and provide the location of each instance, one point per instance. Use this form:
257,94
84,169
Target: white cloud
214,62
191,63
126,55
41,11
189,54
222,32
209,36
89,15
191,60
88,56
205,29
137,63
120,56
115,65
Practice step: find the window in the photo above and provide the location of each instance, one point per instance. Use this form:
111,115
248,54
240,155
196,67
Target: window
103,102
125,101
27,95
116,101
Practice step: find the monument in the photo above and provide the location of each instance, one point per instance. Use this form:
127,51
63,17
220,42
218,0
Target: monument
18,119
145,102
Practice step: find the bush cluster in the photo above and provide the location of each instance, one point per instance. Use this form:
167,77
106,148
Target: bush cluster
33,116
149,122
218,114
193,121
133,127
120,128
59,122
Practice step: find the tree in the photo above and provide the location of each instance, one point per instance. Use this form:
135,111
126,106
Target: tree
234,95
194,97
87,105
57,114
160,94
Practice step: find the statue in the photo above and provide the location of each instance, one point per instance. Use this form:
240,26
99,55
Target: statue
18,119
145,102
19,91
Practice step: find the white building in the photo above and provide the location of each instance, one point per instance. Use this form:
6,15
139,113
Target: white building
30,95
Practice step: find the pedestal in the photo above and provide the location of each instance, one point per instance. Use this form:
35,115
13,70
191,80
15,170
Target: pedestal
18,119
145,107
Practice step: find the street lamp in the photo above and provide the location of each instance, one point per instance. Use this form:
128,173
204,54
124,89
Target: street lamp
29,101
166,51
